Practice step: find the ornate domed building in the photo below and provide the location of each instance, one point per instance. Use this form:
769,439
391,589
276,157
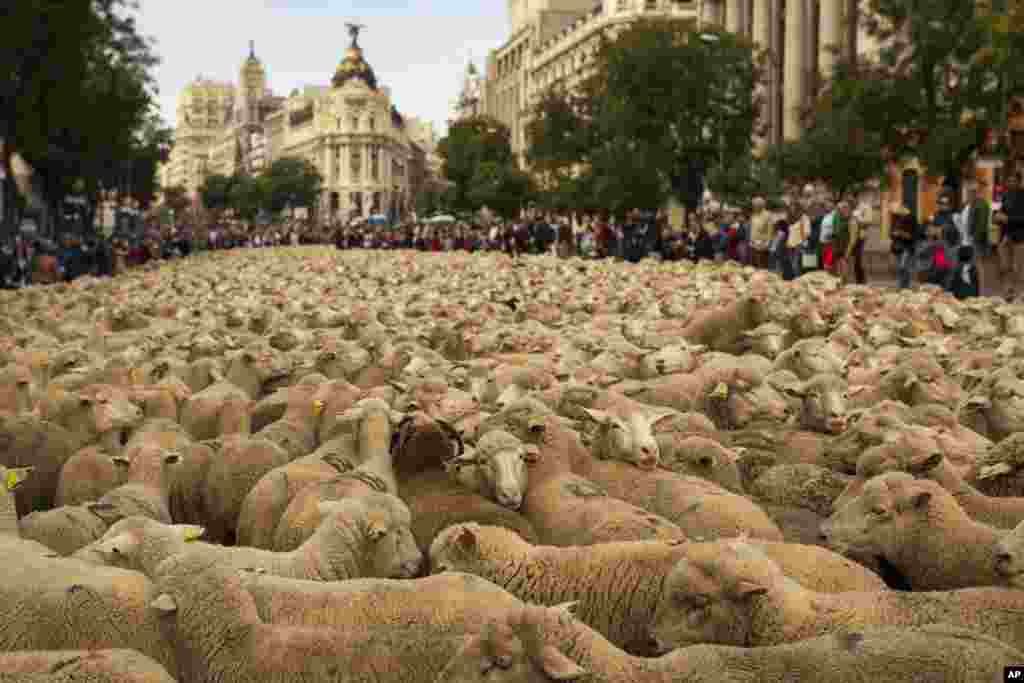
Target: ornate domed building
353,133
350,130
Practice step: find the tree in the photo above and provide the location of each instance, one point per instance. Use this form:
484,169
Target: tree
661,101
215,192
292,182
470,144
738,183
248,194
836,150
176,197
934,91
501,187
63,57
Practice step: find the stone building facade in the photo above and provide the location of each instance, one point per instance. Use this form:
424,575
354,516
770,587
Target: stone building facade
349,130
554,41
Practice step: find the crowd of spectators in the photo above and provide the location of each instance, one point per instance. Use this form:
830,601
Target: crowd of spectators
961,246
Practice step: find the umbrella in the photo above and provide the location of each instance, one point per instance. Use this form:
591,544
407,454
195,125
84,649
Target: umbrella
445,218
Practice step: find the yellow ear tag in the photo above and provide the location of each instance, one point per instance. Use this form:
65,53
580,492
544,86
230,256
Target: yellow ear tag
318,407
194,534
136,375
12,480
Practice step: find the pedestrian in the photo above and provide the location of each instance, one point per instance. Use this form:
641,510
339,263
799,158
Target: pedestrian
965,275
976,223
905,235
1013,234
798,241
761,234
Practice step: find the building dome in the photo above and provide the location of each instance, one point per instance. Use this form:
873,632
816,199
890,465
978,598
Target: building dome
354,66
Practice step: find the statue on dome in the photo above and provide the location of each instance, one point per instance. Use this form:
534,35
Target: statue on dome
353,30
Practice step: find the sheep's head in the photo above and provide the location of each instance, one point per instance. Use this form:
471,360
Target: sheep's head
892,507
628,438
387,547
1010,558
513,648
501,461
189,583
709,595
823,403
701,457
420,442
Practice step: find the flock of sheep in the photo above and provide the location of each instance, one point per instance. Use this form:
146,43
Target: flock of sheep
300,464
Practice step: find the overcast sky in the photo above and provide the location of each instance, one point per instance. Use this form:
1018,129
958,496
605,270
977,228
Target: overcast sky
418,48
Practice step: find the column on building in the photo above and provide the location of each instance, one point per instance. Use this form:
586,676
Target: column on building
734,16
762,37
831,32
367,178
793,79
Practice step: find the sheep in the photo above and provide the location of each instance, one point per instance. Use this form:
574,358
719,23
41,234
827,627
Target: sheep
366,536
810,357
999,470
737,595
91,666
565,508
542,644
87,475
15,389
296,431
624,428
920,532
722,328
423,449
823,403
64,530
29,441
96,414
452,598
249,376
632,569
301,517
496,468
221,637
916,451
700,456
49,603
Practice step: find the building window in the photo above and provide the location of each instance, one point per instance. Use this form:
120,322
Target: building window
356,164
651,5
375,162
373,123
622,5
355,123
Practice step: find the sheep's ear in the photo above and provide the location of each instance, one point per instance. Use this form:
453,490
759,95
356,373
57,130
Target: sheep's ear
16,477
654,417
558,666
795,390
920,500
190,532
932,461
121,461
465,460
531,454
466,540
108,512
598,416
172,458
748,589
164,603
376,529
118,546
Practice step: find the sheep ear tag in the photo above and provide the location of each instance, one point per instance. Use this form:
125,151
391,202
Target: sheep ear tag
164,603
17,476
318,408
192,533
136,376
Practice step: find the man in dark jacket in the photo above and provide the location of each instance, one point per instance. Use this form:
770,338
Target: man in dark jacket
1013,233
906,234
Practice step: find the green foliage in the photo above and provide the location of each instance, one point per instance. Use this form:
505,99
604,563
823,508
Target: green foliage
470,144
76,98
502,187
659,99
247,195
739,182
216,192
936,87
836,150
292,182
